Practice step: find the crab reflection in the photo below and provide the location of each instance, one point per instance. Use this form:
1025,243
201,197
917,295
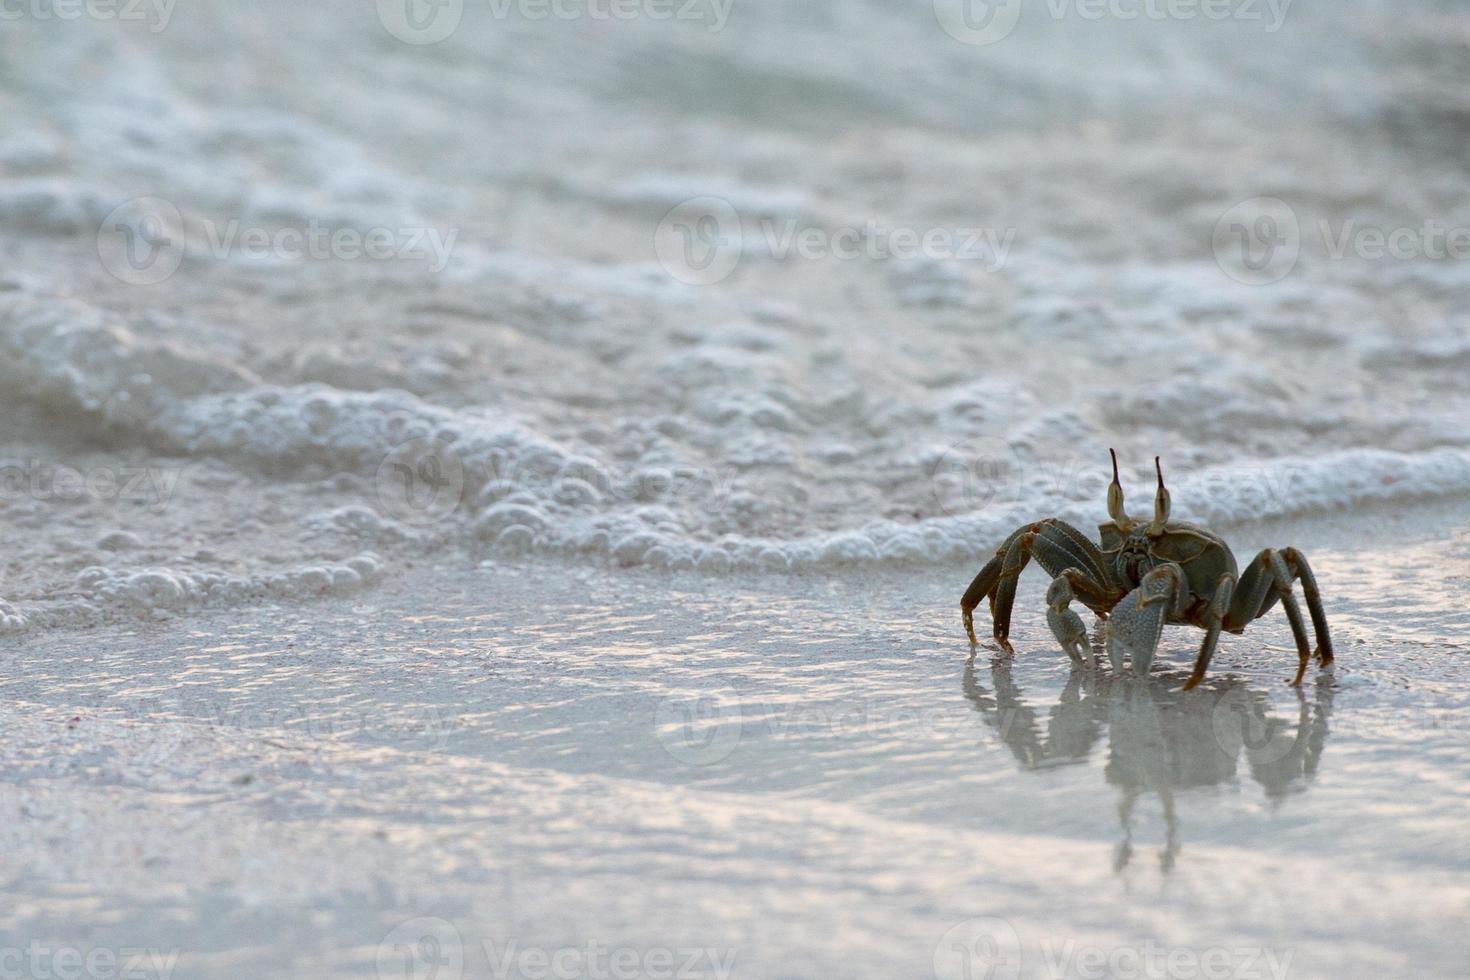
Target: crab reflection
1160,738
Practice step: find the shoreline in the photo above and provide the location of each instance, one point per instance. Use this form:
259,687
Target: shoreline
551,759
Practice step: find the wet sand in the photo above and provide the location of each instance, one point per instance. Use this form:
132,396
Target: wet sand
799,777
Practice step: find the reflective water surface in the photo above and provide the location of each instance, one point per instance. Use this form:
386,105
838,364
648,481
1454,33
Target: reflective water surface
814,776
1156,739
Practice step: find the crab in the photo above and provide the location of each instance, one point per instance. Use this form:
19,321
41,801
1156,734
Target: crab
1144,575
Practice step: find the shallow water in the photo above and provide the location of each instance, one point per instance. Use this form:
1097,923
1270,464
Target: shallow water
222,421
363,616
814,778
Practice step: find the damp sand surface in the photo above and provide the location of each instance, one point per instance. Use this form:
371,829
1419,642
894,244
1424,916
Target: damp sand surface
268,713
791,777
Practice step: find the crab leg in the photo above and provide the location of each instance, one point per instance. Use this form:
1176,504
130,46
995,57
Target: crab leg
982,586
1065,624
1058,547
1064,540
1016,557
1297,562
1214,622
1264,581
1081,553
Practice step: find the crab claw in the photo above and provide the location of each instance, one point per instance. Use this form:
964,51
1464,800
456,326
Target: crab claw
1138,621
1065,624
1071,633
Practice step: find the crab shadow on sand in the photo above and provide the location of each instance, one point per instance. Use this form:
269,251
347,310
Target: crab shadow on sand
1160,738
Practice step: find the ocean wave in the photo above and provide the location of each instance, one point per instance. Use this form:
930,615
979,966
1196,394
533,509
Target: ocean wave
555,389
486,480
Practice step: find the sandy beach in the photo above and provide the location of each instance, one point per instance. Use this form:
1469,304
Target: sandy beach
486,487
803,777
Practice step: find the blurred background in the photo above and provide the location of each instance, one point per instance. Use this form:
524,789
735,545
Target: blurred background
646,378
715,283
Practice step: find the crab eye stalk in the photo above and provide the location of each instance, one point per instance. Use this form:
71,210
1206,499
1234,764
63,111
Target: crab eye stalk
1161,502
1115,497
